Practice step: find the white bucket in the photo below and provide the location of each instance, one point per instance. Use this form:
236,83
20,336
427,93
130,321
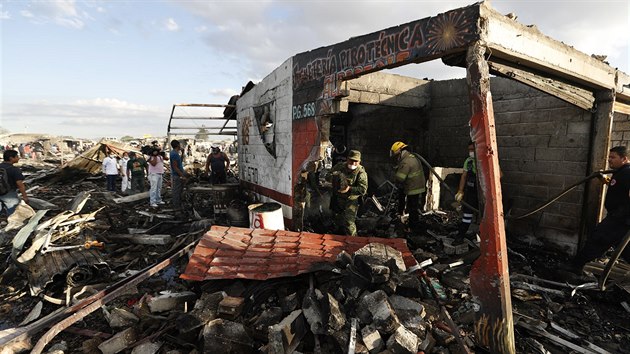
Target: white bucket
266,216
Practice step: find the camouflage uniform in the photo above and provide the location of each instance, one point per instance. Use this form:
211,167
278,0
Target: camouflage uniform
345,205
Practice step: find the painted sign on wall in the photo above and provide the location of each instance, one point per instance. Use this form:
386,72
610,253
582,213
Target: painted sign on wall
317,74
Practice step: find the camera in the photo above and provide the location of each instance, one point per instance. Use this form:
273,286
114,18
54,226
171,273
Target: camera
150,150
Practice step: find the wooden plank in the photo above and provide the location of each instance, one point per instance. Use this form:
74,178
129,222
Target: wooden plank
620,107
593,206
566,92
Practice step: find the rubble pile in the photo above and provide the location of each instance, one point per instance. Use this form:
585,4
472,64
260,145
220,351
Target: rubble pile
104,271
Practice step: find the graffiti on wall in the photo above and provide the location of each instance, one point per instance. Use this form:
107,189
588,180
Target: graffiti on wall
416,41
251,175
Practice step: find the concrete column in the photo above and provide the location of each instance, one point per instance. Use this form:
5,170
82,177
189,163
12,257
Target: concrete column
489,278
601,130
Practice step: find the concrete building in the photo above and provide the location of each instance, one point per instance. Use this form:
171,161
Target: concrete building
544,141
545,122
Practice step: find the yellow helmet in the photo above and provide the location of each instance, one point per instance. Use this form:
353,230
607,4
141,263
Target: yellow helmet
396,147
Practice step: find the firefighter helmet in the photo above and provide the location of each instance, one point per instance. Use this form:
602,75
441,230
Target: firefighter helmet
396,147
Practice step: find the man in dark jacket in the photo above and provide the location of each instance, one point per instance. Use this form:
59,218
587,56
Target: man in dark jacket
15,178
612,229
410,177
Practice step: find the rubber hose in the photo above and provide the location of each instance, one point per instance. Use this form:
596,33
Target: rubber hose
509,217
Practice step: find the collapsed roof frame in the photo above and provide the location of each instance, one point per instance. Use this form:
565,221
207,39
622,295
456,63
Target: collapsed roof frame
192,131
483,41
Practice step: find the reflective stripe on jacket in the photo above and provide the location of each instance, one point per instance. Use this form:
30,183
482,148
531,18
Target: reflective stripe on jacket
409,172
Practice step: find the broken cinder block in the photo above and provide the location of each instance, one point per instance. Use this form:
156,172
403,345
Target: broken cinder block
224,336
313,312
285,336
383,253
169,301
119,342
410,313
403,341
381,312
442,337
120,318
267,318
372,339
231,307
205,310
450,248
147,348
371,268
336,319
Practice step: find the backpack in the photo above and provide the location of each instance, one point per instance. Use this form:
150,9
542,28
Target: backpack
4,182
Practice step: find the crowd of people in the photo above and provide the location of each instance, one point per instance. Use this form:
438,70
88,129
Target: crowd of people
135,168
38,150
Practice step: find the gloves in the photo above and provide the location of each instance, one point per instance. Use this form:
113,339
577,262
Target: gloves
604,179
459,196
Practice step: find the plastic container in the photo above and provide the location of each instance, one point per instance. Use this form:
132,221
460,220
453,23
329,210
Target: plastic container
266,216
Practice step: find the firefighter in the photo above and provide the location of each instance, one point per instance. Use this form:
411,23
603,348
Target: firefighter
409,176
350,183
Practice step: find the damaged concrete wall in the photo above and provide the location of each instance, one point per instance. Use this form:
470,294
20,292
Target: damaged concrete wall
543,149
543,141
375,128
384,108
621,130
265,137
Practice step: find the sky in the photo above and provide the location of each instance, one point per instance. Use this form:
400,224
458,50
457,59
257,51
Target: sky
98,68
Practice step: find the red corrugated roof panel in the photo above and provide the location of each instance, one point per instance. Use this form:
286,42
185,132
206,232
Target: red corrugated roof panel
228,253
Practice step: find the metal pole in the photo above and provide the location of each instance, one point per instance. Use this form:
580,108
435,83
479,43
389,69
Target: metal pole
489,278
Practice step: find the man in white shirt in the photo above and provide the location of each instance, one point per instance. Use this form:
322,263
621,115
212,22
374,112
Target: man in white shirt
110,169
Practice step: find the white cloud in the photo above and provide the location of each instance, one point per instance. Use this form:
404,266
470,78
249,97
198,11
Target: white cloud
85,117
224,92
27,14
171,25
269,32
99,108
201,29
60,12
4,15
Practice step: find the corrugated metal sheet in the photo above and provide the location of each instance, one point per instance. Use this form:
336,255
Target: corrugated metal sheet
229,253
44,267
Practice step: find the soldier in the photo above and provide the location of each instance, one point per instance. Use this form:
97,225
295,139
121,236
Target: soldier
350,182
